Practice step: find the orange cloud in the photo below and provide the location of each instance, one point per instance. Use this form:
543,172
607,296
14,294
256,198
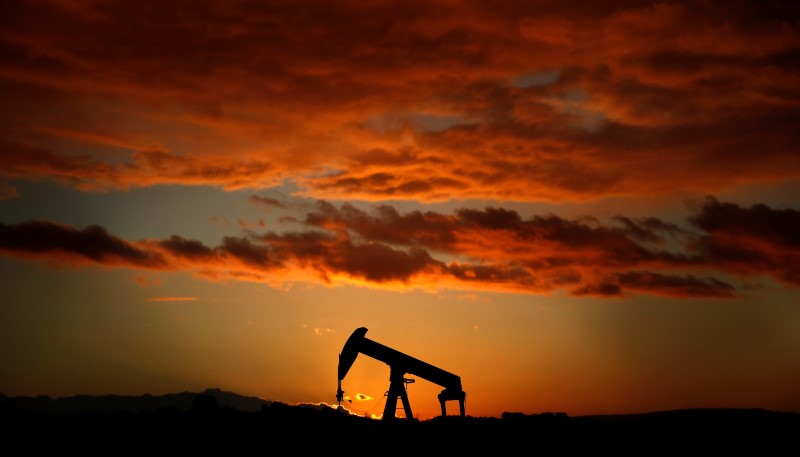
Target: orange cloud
520,101
144,281
492,249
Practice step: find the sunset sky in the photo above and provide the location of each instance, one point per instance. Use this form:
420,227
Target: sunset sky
586,207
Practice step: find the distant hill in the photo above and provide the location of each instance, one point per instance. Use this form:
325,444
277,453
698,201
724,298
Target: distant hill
214,421
182,401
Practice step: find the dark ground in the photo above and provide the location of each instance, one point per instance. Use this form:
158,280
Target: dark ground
210,427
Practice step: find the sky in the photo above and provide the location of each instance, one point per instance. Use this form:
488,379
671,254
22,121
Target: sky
579,207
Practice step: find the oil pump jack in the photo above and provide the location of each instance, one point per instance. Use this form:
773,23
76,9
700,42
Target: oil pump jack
399,365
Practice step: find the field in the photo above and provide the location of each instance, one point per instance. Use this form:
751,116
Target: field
211,425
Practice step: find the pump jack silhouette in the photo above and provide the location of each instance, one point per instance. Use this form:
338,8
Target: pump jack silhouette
399,365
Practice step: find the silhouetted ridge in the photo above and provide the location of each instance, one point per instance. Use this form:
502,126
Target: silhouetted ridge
181,401
207,422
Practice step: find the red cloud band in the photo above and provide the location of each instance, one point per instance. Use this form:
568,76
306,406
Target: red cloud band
493,249
528,101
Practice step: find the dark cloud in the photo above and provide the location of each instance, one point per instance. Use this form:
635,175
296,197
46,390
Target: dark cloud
248,251
378,262
683,286
307,246
548,251
386,224
146,167
663,284
491,218
266,201
544,246
603,289
190,249
778,227
514,277
19,161
387,185
494,248
749,241
372,261
46,240
648,230
402,100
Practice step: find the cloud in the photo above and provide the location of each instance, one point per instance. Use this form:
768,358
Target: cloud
490,249
144,281
525,101
145,168
681,286
20,161
46,240
330,256
749,240
257,224
189,249
266,201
